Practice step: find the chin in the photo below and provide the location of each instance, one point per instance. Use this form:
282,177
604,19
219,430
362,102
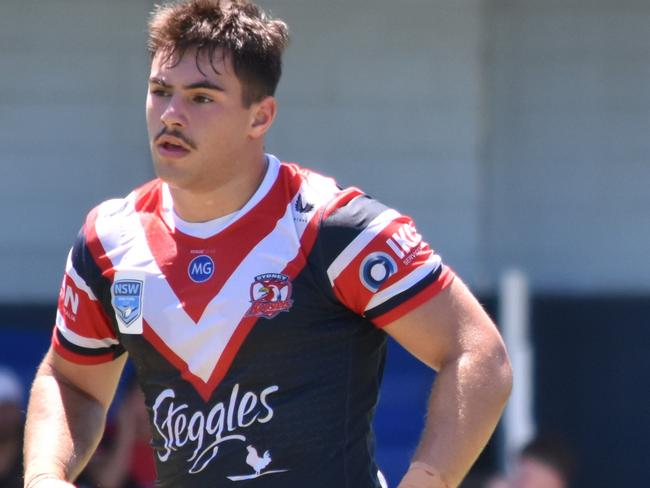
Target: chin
180,180
170,173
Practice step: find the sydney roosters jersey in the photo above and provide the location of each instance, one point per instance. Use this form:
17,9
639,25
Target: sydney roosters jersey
257,338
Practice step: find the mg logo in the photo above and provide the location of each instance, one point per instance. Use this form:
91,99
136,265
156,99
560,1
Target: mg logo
201,269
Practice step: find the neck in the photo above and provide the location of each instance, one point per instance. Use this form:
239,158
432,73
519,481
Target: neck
223,198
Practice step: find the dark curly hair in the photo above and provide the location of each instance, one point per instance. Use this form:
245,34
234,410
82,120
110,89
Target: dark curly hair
239,29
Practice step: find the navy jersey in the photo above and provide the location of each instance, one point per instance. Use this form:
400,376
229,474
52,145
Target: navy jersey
257,338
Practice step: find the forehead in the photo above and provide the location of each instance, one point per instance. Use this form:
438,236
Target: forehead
192,64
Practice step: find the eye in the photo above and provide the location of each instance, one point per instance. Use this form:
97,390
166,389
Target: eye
201,99
159,92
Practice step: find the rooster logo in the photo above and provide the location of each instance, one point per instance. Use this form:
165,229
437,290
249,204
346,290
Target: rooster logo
258,463
270,295
255,461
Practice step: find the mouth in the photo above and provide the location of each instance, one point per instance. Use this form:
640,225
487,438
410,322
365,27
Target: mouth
171,149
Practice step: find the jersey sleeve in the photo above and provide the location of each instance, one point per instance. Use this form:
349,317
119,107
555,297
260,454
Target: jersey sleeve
377,263
84,332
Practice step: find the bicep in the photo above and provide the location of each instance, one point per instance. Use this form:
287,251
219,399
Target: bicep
445,327
98,381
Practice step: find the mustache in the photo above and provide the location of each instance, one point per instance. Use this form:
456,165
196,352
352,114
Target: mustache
177,134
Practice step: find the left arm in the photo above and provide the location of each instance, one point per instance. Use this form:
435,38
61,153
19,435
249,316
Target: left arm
452,334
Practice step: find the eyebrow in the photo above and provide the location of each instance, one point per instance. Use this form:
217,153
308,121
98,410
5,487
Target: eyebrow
203,84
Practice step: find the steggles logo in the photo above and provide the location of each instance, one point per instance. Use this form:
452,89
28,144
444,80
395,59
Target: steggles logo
207,431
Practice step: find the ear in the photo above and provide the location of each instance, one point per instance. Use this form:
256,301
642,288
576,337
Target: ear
263,115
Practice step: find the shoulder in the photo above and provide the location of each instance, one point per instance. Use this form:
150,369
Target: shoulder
142,199
111,222
309,182
313,190
357,212
345,212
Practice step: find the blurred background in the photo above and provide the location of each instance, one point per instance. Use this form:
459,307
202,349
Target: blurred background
515,133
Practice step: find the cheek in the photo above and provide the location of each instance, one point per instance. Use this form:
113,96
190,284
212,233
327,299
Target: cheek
148,104
153,111
227,128
150,116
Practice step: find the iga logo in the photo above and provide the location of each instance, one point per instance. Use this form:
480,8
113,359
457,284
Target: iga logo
375,269
201,269
270,295
404,240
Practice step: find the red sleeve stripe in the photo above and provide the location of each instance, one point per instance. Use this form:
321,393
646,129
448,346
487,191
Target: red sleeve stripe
79,358
443,281
83,315
374,228
81,341
355,282
341,199
79,282
426,268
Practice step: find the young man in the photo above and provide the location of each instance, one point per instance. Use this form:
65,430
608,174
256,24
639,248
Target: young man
253,296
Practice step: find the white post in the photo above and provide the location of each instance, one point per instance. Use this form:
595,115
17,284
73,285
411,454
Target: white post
514,320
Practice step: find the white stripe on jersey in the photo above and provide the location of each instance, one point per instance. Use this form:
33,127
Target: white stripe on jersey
431,264
80,341
200,345
78,280
362,240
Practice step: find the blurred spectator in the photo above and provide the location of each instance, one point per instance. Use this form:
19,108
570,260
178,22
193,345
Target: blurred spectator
11,429
496,482
124,458
545,462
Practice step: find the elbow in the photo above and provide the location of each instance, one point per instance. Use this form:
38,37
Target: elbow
501,370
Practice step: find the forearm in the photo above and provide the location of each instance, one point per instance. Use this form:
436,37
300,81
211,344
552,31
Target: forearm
64,426
466,402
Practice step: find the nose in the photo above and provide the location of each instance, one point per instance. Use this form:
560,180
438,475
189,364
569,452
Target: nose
174,115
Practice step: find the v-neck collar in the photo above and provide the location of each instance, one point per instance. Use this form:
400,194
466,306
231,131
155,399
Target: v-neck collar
204,230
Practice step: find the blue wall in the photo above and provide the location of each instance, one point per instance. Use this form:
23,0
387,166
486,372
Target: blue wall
592,373
593,384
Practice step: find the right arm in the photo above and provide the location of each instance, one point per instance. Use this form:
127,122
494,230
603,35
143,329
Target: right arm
66,417
76,381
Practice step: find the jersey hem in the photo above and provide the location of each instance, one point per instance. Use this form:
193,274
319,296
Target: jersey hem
444,280
79,358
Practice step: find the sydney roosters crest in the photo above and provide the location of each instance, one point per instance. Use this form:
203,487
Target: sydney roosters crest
270,295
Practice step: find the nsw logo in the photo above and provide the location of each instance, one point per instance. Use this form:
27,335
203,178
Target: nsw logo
375,269
127,300
201,269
